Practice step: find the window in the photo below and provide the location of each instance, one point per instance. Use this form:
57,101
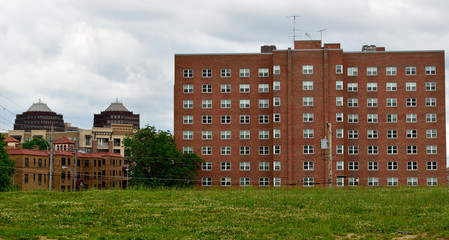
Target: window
244,72
307,85
431,133
264,134
188,73
26,177
392,102
392,181
432,149
244,166
371,71
432,181
432,165
339,117
392,118
244,88
308,166
353,150
264,119
276,166
225,135
244,181
340,182
338,69
244,134
392,150
225,181
392,166
186,135
207,73
353,118
307,133
412,149
276,182
263,72
411,118
431,86
307,69
339,101
206,181
207,119
372,134
244,103
411,102
264,103
353,87
27,162
308,182
206,166
225,166
206,150
307,117
339,133
412,181
276,86
431,102
224,103
410,86
244,119
373,166
187,119
372,102
225,119
431,117
264,88
276,133
187,150
264,166
264,181
391,71
353,134
264,150
430,70
187,104
188,88
276,101
225,88
339,85
207,103
353,102
225,72
307,101
353,166
371,87
412,133
207,88
391,86
307,149
410,70
276,70
276,149
206,135
373,150
353,71
340,165
373,181
276,117
244,150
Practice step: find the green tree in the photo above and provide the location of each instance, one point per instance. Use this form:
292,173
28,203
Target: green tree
42,143
6,167
154,160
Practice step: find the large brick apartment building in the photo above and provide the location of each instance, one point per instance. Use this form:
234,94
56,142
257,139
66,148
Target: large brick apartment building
259,118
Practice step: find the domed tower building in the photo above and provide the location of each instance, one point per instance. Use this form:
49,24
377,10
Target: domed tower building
39,117
116,113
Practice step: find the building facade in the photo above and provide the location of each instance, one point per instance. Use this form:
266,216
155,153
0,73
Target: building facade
260,119
116,113
39,117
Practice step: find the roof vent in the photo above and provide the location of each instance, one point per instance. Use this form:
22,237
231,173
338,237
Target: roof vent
369,48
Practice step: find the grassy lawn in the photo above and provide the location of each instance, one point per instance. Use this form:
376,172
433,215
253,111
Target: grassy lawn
272,213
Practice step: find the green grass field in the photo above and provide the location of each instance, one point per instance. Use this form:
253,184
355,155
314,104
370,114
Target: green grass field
272,213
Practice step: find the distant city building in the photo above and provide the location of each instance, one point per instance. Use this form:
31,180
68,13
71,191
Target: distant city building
39,117
116,113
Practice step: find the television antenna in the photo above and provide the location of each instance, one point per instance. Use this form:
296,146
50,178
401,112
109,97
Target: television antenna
321,32
294,27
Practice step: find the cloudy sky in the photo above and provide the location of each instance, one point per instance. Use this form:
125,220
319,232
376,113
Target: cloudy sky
78,56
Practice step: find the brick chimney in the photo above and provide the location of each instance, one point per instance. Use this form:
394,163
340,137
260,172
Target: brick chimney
267,48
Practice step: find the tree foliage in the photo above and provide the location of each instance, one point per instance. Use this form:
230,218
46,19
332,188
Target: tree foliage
6,167
154,160
42,143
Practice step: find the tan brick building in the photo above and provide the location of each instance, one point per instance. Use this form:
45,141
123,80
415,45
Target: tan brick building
259,118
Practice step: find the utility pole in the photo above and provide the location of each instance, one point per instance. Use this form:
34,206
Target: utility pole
329,166
75,175
50,180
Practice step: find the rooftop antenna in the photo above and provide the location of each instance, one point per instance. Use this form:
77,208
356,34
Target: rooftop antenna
294,27
321,32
